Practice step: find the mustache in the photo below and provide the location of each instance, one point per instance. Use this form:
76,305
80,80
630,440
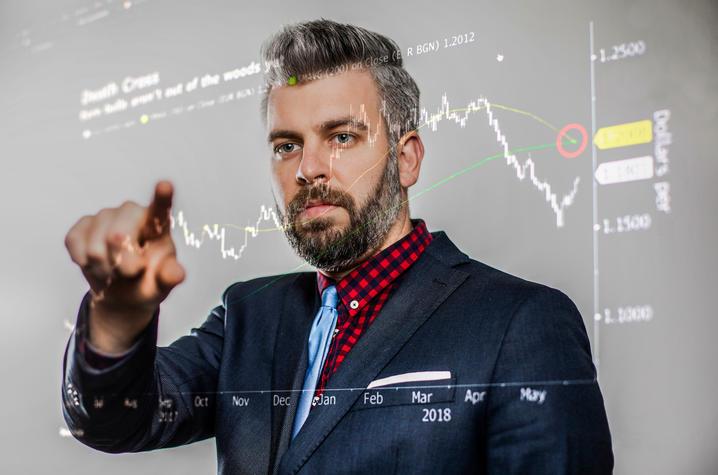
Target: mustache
321,192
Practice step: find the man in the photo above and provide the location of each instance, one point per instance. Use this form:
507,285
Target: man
399,355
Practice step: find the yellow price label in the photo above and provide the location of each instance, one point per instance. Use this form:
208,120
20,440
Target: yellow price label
623,135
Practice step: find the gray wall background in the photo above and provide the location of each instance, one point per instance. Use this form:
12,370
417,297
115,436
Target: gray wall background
658,376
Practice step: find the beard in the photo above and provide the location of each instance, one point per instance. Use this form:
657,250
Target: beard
335,250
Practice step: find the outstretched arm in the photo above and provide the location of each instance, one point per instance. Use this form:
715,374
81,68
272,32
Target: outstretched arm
151,397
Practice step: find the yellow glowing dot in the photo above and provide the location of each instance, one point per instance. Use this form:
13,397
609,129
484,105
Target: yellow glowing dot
144,119
292,80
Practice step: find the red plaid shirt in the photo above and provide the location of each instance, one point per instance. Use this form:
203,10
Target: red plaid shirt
364,291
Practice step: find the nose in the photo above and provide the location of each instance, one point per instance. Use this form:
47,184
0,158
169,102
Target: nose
316,164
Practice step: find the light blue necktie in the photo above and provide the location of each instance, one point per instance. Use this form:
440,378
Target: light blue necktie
319,339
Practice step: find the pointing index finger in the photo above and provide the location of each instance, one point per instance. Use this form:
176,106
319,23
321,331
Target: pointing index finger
158,213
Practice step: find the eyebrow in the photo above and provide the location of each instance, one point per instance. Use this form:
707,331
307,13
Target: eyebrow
350,121
283,133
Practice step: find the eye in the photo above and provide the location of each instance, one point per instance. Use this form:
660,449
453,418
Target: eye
286,149
343,138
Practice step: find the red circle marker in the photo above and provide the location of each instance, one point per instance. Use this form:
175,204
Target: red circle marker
584,140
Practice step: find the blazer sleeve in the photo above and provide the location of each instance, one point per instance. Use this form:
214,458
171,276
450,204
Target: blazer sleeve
152,397
545,408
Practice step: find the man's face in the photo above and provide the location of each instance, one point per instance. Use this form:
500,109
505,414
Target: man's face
334,178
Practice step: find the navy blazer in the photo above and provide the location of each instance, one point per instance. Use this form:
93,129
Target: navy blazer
492,374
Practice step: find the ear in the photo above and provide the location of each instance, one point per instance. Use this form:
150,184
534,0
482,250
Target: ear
410,153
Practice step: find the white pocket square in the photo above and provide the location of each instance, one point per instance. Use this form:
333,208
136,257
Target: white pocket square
410,378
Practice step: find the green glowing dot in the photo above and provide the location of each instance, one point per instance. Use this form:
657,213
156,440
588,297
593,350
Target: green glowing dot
144,119
292,80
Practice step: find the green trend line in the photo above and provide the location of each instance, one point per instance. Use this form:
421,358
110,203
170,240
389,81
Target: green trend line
480,163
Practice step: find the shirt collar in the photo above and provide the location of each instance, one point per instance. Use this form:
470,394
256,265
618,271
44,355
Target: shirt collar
362,284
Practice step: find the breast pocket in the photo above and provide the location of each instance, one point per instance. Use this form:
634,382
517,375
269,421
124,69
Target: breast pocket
416,388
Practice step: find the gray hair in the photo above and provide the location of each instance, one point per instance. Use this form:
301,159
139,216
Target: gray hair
304,51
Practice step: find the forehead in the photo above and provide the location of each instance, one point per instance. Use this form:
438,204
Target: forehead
306,105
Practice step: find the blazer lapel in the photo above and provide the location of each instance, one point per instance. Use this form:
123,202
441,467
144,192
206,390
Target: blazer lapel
290,357
424,287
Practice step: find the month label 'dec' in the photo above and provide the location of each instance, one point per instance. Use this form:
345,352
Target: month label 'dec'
415,393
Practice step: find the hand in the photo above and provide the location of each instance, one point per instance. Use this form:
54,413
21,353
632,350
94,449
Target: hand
129,259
